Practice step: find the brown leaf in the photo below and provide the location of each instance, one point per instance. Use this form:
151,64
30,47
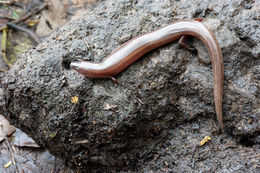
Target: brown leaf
23,140
52,18
5,128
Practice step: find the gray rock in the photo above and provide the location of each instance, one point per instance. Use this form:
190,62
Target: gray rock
163,106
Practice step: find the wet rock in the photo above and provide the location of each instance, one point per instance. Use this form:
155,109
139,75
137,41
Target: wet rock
163,106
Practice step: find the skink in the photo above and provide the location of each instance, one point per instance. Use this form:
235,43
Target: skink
135,48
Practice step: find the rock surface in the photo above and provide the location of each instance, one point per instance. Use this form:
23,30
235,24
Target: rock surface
163,106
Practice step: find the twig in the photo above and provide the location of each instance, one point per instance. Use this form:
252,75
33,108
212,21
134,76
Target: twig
30,14
26,166
6,17
31,34
11,153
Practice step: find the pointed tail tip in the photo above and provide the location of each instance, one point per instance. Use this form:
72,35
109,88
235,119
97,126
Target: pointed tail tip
222,128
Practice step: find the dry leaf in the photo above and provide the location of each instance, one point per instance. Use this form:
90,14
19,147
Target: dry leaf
52,18
5,128
23,140
74,99
205,140
7,164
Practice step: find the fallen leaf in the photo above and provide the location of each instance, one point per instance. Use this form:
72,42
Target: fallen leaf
52,18
74,99
205,140
23,140
7,164
32,22
5,128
